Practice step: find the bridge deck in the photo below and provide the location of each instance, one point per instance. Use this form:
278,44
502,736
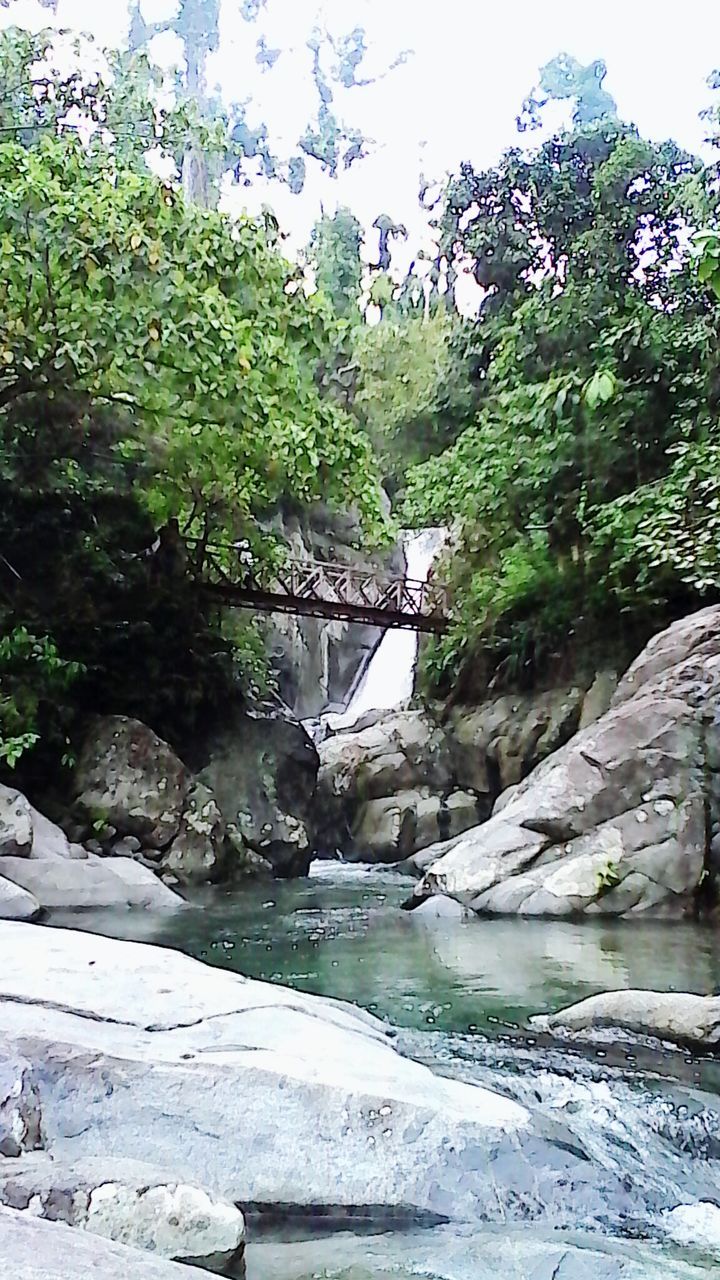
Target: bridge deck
315,589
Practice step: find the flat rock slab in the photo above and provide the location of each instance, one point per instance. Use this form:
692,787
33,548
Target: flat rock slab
35,1250
529,1253
93,882
229,1079
668,1015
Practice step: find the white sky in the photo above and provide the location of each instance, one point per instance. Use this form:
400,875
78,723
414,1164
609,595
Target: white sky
457,97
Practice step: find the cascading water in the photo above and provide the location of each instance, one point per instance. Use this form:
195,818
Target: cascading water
388,678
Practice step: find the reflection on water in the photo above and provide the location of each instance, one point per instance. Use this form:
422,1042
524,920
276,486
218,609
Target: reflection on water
340,933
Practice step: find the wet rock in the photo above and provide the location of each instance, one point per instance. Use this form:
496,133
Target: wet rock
128,1202
41,1250
129,777
668,1015
614,823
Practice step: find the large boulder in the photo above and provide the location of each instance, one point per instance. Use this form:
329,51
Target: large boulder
37,1250
131,1203
130,778
200,852
668,1015
262,771
390,788
620,820
130,1044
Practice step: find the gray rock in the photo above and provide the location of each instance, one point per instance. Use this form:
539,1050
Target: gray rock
51,1251
669,1015
385,831
615,822
456,767
462,811
20,1118
17,903
262,772
127,847
95,882
127,1041
128,1202
482,1252
598,698
16,828
130,778
198,852
318,661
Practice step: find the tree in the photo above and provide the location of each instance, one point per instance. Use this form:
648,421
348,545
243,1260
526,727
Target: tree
157,361
595,348
334,254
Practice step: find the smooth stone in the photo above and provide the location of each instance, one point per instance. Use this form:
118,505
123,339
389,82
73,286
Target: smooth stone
96,882
17,903
669,1015
37,1250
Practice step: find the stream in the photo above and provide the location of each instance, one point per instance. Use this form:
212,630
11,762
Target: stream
643,1117
460,993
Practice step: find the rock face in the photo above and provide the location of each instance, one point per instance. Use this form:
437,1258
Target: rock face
120,1041
39,1250
262,772
674,1015
317,661
620,820
406,780
130,1203
40,869
128,777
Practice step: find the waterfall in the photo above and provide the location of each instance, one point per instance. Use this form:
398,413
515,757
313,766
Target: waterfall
388,678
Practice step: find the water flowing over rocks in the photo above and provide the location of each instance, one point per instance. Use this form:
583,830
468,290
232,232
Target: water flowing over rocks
128,1043
318,661
620,821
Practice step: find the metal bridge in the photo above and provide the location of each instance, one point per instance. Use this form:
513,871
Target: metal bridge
318,590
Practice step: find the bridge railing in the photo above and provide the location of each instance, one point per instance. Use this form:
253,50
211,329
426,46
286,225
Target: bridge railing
314,582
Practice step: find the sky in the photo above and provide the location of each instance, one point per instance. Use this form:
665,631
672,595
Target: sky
456,98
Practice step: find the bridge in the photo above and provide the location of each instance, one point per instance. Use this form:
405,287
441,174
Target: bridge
318,590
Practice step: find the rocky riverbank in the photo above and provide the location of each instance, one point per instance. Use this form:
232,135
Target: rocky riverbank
625,819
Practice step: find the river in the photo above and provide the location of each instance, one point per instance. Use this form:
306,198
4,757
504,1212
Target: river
460,993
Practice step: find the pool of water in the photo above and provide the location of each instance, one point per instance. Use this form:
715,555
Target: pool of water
461,992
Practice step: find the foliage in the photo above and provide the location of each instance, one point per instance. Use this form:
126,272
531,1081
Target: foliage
412,393
33,680
334,256
572,489
158,362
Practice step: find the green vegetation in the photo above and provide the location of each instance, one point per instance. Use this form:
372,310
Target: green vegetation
583,492
158,363
162,366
